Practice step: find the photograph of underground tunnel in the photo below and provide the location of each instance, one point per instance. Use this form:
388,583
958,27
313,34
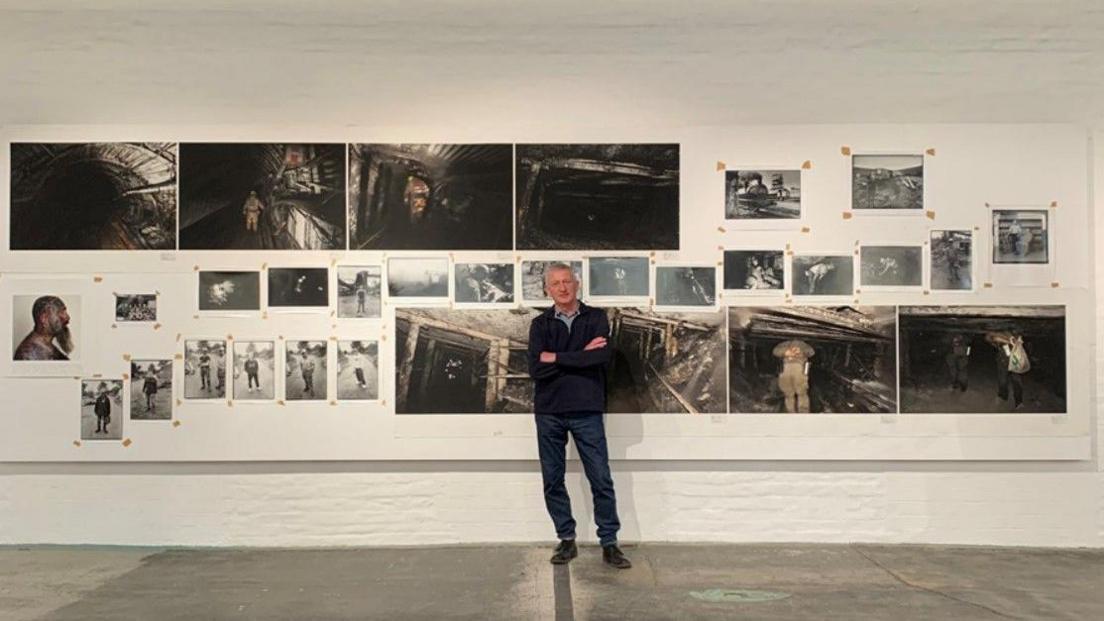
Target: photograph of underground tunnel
816,359
953,361
262,196
431,196
597,196
93,196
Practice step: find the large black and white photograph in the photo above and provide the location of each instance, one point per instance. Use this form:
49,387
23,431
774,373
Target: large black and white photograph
892,182
93,196
763,195
101,409
533,281
983,359
597,196
46,329
891,267
618,277
952,260
823,274
1020,236
685,285
205,369
135,307
305,364
254,371
248,196
812,359
357,370
419,278
151,389
755,271
483,283
358,291
228,292
431,196
305,288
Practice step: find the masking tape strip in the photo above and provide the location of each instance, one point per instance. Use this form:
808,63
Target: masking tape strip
720,165
127,442
845,150
1053,203
176,423
847,215
76,443
805,229
126,357
930,214
1054,285
97,279
930,151
721,229
807,165
988,285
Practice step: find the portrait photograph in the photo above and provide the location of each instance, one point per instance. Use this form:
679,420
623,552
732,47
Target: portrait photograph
952,260
891,266
358,291
205,369
254,371
619,277
229,292
751,271
357,370
763,195
298,288
151,389
685,285
483,283
136,308
426,278
101,409
46,329
825,275
1020,236
305,364
889,182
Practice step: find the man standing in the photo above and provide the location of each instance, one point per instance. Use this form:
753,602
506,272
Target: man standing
793,381
102,408
958,359
568,356
51,323
252,210
306,367
149,388
252,367
1011,365
205,370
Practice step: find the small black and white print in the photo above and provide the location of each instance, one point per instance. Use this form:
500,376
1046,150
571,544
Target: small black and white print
754,270
824,275
101,409
151,393
484,283
762,194
229,291
205,369
358,370
686,286
619,277
887,182
358,291
891,266
952,260
532,278
1021,236
298,287
305,370
260,385
135,308
417,277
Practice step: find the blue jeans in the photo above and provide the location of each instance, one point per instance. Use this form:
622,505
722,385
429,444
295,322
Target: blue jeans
589,432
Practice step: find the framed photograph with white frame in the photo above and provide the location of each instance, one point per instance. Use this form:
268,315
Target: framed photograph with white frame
484,284
891,267
532,279
420,280
764,197
48,331
686,287
951,257
228,293
1021,250
618,279
755,272
828,276
888,183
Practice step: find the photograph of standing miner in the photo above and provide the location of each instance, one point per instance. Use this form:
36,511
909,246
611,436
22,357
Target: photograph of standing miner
816,359
93,196
431,196
597,196
983,359
262,196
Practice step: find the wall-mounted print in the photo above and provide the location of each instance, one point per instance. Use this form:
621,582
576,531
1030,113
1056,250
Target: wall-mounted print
1020,236
306,288
685,286
431,196
812,359
242,196
755,271
418,278
618,277
358,370
204,369
151,389
135,307
305,374
358,291
597,196
93,196
891,267
824,275
254,371
483,283
46,328
533,279
891,182
763,195
952,260
101,409
983,359
228,292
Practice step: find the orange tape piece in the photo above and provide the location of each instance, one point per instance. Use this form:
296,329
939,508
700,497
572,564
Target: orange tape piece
845,150
930,151
720,165
930,214
804,229
806,165
988,285
1054,285
97,279
176,423
721,229
847,215
1053,203
127,442
76,443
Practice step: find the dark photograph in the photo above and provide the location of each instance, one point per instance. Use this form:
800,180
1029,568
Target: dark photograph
93,196
532,279
483,283
887,182
762,194
242,196
135,307
305,370
619,277
358,370
358,291
952,260
754,270
204,369
812,359
417,277
151,394
45,328
1020,236
597,196
298,287
983,359
254,371
431,196
229,291
686,286
101,412
832,275
891,266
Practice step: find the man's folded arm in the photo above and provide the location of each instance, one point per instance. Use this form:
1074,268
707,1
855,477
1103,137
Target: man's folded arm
538,369
588,357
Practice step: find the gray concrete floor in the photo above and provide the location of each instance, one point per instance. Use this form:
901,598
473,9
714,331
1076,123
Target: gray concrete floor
668,581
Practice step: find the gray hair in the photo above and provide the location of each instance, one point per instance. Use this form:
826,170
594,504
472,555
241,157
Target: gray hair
556,266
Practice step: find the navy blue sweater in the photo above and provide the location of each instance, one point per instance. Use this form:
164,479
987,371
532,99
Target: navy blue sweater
576,382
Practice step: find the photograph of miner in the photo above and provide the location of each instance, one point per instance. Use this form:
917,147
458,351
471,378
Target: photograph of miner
619,277
151,394
830,275
597,196
299,287
686,286
247,196
483,283
135,307
762,194
952,260
1020,236
204,369
358,291
431,196
305,370
101,411
254,371
358,370
229,291
891,266
812,359
93,196
983,359
754,270
887,182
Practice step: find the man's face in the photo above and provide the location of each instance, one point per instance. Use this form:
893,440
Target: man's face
56,322
561,286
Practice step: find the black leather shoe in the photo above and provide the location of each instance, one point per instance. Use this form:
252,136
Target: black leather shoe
566,551
614,557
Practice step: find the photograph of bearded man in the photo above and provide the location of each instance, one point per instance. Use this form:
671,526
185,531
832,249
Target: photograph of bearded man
50,338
